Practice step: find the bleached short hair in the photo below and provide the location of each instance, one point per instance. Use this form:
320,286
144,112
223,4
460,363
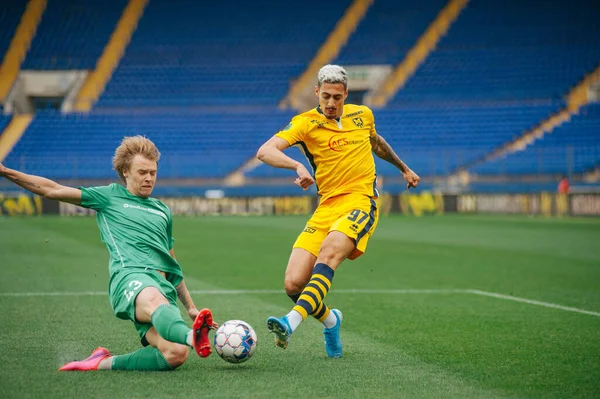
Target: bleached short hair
332,74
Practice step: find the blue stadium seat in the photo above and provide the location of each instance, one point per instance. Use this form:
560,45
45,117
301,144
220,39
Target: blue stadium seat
4,120
190,53
72,34
203,81
571,147
388,31
193,145
514,50
10,16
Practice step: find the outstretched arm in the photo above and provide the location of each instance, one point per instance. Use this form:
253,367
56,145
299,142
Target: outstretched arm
272,154
186,299
184,296
42,186
383,150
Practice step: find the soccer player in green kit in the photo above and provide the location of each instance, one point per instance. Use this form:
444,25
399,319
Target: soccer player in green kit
145,278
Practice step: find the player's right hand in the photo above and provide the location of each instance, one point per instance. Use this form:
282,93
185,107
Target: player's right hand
412,179
2,170
304,179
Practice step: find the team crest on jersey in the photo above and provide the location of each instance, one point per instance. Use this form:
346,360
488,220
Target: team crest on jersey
358,122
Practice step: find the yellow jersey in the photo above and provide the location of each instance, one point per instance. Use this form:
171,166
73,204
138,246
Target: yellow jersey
339,151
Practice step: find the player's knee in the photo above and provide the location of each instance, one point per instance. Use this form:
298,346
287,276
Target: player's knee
175,354
147,301
156,300
293,285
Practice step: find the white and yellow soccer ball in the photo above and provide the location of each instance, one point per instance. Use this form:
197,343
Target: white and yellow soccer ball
235,341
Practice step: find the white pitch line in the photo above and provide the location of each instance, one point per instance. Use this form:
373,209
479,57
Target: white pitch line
338,291
532,302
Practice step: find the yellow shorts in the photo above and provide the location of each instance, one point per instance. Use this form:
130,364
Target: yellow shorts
355,215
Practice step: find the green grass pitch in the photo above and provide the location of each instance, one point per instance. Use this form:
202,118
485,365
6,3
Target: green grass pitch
400,340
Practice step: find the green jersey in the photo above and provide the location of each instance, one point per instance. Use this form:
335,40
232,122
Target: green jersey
137,231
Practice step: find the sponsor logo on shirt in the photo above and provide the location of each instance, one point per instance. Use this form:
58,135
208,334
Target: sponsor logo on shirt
319,123
337,141
353,114
141,208
309,230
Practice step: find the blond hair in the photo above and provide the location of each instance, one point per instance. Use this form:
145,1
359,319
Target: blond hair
129,148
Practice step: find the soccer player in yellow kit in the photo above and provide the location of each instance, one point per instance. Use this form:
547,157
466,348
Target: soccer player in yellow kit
339,141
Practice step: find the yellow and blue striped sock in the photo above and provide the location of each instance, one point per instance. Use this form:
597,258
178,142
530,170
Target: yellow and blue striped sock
321,313
311,298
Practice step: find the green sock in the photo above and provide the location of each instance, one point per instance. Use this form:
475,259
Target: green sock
169,324
145,359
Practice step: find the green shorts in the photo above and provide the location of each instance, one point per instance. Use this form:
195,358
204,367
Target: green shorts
124,287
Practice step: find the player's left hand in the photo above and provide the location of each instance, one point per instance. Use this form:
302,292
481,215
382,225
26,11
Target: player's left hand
412,179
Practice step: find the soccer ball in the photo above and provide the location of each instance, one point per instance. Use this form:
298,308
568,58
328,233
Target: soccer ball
235,341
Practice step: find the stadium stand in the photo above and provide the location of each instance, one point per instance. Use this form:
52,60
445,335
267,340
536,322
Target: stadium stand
203,81
15,48
4,120
194,145
10,16
436,140
573,147
516,51
219,57
72,34
389,30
